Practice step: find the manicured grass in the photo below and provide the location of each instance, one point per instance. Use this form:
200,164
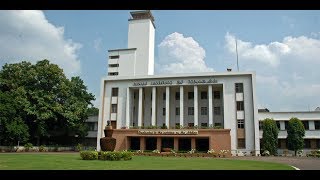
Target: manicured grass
14,161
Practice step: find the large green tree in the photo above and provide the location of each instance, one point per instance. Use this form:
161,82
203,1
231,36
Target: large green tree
12,127
270,135
53,105
295,136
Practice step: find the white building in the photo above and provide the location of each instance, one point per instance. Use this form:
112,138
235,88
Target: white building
134,99
310,120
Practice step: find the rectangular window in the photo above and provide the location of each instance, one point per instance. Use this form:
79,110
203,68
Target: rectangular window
306,125
177,124
204,124
114,57
164,96
164,111
286,125
239,87
241,143
115,91
317,125
240,123
190,95
114,108
216,94
278,124
307,143
204,95
190,124
240,106
177,95
190,111
91,126
260,125
204,110
113,73
217,124
113,65
217,111
177,110
318,143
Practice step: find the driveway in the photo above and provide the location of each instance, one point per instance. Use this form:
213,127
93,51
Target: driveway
303,163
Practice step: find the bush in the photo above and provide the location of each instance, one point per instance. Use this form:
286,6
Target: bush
79,147
42,148
315,153
28,146
127,155
266,153
89,155
116,156
111,156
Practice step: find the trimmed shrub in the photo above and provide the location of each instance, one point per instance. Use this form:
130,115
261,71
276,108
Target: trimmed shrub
28,146
89,155
127,155
116,156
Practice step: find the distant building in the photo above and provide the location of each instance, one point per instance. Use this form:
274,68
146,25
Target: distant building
310,120
91,138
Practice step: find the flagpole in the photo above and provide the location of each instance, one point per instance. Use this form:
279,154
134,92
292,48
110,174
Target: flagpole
237,53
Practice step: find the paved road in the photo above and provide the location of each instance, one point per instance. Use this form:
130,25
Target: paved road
303,163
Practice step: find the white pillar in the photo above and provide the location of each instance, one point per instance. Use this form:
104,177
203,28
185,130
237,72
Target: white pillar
167,106
210,105
195,105
128,109
153,113
181,106
140,108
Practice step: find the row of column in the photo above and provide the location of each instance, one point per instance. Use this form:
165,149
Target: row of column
153,113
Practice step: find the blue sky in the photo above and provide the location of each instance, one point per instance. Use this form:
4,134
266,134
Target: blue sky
283,47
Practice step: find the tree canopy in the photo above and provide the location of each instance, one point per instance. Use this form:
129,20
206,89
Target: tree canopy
40,97
295,136
270,136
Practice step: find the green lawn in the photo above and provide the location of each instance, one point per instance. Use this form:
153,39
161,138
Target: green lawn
39,161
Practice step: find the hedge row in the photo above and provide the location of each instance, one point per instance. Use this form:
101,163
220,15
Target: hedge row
110,156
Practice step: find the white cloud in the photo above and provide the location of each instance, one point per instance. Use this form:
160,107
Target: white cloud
179,54
287,71
301,49
97,44
248,51
28,35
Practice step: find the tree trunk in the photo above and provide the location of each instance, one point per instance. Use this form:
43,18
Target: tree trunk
295,153
38,141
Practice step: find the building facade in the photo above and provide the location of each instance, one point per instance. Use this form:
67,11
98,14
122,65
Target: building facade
91,139
310,120
186,111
